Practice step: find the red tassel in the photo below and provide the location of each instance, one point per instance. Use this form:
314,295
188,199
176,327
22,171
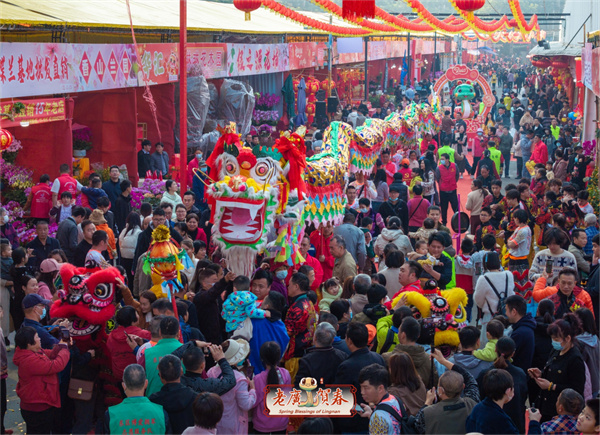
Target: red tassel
358,8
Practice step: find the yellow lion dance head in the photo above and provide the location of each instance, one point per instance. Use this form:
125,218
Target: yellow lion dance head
441,314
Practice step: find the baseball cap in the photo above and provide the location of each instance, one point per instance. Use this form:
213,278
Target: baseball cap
49,265
32,300
405,162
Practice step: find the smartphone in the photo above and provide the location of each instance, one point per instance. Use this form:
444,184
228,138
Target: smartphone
533,409
549,263
127,335
65,335
358,408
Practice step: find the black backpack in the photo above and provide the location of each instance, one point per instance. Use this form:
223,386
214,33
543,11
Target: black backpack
407,423
501,308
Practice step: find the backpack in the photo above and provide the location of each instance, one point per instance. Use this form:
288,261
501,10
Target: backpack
501,308
407,423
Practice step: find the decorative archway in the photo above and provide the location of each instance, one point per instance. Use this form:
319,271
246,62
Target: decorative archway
468,75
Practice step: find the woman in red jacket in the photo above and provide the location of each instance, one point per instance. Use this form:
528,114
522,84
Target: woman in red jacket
38,386
194,231
120,351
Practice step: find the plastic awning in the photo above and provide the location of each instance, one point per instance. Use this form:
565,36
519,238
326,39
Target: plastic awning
152,14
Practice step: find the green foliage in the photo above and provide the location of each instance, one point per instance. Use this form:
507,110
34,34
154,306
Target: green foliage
17,195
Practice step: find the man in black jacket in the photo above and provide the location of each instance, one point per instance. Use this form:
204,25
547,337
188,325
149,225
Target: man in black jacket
195,363
357,338
395,206
176,398
145,237
321,361
593,281
122,206
144,158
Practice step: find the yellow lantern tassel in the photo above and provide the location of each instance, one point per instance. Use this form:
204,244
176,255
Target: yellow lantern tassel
247,16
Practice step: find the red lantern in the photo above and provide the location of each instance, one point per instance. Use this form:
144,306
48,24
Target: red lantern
6,138
310,108
247,6
560,63
578,72
469,6
313,86
358,8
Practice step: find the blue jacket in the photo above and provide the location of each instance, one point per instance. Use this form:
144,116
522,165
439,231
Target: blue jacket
47,340
488,418
263,330
156,164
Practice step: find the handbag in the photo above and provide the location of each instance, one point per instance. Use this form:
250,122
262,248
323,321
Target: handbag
80,389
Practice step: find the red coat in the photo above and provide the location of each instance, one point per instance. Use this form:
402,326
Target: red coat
121,353
38,375
193,164
540,153
321,245
448,177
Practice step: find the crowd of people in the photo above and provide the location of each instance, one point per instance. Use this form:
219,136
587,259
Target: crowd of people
528,357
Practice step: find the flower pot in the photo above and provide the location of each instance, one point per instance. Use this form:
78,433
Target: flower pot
79,153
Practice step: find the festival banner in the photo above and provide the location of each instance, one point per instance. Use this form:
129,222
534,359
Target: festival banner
159,62
28,69
377,50
251,59
302,55
210,57
590,63
35,112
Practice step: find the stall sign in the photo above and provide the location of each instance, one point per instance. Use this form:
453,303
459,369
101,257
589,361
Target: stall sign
158,62
36,111
377,50
210,57
251,59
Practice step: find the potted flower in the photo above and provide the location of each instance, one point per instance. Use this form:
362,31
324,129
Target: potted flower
82,142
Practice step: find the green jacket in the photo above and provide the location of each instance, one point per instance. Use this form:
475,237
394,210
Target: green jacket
383,326
496,157
138,415
488,353
452,283
447,149
165,346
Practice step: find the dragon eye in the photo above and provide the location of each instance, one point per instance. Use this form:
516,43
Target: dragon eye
261,169
230,168
102,291
75,280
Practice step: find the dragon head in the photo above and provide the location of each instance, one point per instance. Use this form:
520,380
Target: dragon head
87,299
252,189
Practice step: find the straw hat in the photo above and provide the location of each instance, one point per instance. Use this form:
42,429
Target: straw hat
97,217
237,351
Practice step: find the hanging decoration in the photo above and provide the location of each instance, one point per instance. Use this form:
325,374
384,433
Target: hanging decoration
469,6
358,8
247,6
388,23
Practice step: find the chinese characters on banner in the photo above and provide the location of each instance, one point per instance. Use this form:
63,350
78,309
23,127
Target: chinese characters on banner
28,69
303,55
210,58
250,59
36,111
313,400
159,62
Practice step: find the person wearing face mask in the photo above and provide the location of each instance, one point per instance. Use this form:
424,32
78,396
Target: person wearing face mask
194,165
565,367
280,274
35,309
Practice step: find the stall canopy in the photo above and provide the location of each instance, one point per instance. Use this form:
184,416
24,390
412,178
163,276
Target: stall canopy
557,49
153,14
